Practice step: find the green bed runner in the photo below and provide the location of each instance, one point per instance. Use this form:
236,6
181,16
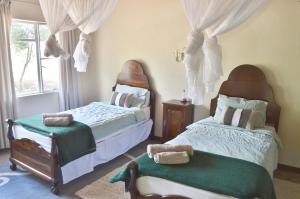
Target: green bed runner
211,172
73,141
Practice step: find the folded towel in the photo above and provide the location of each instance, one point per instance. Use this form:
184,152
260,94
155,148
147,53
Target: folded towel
171,157
57,121
56,115
152,149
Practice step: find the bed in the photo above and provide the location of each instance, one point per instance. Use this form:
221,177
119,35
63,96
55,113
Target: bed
261,147
115,130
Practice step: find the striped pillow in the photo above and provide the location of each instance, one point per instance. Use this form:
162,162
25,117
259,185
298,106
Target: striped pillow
244,118
121,99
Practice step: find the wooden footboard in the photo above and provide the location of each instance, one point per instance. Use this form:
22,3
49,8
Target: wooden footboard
134,193
31,156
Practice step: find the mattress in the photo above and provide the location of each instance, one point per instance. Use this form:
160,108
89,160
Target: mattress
149,185
104,120
258,146
107,149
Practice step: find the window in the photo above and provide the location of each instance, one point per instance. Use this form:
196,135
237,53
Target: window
33,73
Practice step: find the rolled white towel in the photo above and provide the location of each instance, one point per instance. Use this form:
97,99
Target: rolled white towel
172,157
56,115
57,121
152,149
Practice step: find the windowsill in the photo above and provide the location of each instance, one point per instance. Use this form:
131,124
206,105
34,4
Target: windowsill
37,94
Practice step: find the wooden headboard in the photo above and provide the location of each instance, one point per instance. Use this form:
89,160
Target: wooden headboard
133,74
248,81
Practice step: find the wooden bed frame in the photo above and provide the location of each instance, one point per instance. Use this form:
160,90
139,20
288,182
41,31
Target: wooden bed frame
246,81
32,157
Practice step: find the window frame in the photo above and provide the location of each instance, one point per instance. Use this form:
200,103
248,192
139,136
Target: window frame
39,57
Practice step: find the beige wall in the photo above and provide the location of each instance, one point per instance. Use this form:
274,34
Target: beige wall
271,40
150,31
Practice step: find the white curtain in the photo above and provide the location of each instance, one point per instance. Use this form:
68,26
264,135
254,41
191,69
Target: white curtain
7,90
203,54
69,85
87,15
58,20
96,12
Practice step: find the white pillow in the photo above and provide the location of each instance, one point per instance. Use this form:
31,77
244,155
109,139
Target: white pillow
121,99
141,95
243,118
237,102
147,100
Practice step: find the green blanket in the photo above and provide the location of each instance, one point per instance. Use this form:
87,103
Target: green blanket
211,172
73,141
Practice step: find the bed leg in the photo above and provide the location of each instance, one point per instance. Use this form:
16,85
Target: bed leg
10,137
56,170
13,166
134,193
55,188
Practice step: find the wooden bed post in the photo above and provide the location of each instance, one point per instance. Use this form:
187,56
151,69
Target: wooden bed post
249,82
55,168
41,163
133,74
10,137
132,184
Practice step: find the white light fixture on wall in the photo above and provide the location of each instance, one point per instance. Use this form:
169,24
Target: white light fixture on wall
179,54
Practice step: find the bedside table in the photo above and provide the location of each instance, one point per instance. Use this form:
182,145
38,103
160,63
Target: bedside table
176,116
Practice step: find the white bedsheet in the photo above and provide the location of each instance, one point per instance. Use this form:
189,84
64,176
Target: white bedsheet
107,149
258,146
99,113
149,184
93,115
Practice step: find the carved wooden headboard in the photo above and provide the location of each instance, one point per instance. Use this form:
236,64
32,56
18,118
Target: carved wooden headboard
248,81
133,74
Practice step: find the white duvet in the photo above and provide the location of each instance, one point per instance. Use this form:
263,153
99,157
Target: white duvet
99,113
258,146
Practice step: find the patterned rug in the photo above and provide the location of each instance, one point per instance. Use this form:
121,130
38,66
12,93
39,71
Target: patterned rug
102,189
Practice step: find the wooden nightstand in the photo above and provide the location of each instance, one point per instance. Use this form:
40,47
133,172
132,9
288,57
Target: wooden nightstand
176,116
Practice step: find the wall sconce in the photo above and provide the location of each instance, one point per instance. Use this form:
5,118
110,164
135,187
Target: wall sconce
179,54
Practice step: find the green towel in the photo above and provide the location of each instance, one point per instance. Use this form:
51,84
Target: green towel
211,172
73,141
